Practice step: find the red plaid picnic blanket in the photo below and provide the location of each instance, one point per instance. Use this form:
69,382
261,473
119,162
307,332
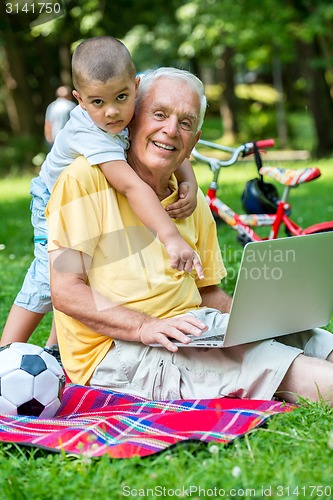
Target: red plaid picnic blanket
95,422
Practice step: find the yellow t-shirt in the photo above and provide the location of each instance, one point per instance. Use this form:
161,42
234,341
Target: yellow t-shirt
129,264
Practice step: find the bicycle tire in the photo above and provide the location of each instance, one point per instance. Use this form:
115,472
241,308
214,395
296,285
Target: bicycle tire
243,239
217,218
322,231
322,227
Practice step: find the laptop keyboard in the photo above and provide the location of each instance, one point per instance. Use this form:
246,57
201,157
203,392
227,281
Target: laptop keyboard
214,338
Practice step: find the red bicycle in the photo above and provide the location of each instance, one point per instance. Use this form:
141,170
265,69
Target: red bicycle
261,201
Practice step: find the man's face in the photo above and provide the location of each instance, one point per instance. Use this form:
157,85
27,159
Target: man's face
164,131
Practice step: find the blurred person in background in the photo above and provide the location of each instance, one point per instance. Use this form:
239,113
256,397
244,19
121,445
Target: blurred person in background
57,113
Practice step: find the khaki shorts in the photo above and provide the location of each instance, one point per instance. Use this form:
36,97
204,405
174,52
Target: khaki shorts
252,370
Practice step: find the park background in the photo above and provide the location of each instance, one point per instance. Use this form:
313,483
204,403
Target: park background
268,71
267,65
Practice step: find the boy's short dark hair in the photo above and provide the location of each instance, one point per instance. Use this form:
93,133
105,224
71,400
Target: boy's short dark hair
99,59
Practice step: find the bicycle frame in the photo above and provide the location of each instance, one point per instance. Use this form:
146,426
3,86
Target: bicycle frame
243,223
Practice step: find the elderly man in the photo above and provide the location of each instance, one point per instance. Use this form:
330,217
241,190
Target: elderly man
114,293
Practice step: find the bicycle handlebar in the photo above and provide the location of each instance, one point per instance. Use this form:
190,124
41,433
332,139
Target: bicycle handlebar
244,150
265,143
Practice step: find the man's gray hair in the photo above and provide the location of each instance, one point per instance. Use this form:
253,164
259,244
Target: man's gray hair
148,79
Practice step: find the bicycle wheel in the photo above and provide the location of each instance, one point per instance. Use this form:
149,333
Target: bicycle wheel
243,239
322,227
217,218
322,231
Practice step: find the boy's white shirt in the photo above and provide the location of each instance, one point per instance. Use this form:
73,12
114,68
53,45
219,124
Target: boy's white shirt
80,136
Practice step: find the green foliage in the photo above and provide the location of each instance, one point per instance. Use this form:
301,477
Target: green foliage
258,117
192,34
257,110
19,153
208,26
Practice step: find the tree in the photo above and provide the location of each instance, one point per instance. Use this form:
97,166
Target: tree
14,70
37,59
229,38
312,24
236,38
252,35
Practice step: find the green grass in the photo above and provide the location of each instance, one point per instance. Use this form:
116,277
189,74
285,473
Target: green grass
16,247
293,451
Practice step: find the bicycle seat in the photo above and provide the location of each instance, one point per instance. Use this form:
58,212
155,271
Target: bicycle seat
289,177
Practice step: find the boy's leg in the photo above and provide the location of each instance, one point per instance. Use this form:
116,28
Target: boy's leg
20,325
33,300
52,340
308,377
51,345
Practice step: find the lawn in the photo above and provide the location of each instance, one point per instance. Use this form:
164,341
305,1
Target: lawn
291,457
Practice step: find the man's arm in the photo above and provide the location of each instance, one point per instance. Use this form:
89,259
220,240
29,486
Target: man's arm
72,296
215,297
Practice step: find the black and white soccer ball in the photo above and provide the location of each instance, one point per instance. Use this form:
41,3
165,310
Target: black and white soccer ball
31,381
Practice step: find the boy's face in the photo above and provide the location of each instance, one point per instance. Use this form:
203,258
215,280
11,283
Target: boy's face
109,104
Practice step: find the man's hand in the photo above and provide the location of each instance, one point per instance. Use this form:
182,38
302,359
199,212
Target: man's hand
186,203
157,331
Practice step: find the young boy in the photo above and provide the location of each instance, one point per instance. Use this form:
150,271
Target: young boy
105,83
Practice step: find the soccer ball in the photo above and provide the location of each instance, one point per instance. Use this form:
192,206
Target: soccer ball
31,381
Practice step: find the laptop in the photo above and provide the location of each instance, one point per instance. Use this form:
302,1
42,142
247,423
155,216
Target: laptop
283,286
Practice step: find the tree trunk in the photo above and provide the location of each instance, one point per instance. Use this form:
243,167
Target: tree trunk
229,101
281,120
320,101
15,75
65,65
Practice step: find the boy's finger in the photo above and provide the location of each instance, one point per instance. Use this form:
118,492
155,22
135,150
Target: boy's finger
183,190
174,261
177,205
188,265
198,267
